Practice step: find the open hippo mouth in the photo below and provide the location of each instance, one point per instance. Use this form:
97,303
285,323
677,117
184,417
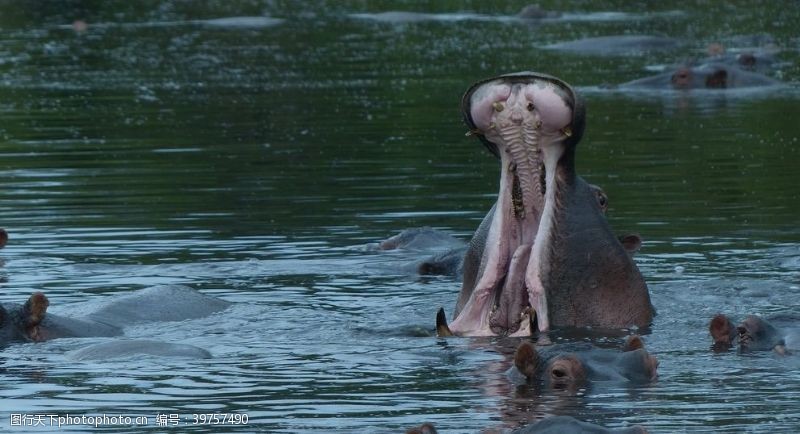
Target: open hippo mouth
525,246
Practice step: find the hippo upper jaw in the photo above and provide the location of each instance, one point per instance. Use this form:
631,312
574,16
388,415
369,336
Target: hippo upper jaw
527,120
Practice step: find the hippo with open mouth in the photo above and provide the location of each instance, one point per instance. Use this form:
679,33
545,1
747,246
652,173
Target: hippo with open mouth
545,249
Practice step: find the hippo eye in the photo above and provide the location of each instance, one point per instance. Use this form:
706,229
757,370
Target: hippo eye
559,373
530,107
498,107
602,200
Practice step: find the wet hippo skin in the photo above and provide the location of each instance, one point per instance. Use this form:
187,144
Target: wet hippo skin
617,45
754,333
550,425
31,322
570,367
450,262
570,425
127,348
706,76
545,250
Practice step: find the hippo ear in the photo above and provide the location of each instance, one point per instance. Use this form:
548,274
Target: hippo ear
526,359
634,342
631,242
722,331
32,315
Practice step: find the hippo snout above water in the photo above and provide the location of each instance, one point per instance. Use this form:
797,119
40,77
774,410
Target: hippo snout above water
545,251
711,75
754,333
565,367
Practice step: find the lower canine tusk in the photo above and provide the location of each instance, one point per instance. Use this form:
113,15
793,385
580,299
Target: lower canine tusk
442,330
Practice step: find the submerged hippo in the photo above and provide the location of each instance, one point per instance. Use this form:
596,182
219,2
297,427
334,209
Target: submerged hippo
425,428
570,425
712,75
127,348
571,367
3,238
545,248
617,45
755,334
550,425
31,322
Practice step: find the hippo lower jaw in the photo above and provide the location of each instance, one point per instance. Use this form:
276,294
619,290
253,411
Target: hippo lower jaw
528,121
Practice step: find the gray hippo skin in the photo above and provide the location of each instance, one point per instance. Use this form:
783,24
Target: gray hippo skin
754,333
425,428
617,45
545,248
575,366
128,348
550,425
712,75
570,425
450,262
30,322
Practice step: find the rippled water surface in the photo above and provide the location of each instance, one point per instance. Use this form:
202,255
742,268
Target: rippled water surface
252,150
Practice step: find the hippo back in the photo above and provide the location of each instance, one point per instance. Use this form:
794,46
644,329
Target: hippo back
157,303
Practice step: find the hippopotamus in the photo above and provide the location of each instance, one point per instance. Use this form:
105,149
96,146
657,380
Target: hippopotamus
712,75
750,60
425,428
617,45
550,425
571,366
754,333
127,348
545,250
31,322
570,425
536,12
3,238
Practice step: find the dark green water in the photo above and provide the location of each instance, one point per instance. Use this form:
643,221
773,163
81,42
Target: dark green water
253,160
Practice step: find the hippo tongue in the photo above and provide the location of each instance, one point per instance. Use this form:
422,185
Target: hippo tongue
526,121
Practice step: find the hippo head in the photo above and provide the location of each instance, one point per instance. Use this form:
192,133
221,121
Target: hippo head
546,248
755,334
533,123
21,323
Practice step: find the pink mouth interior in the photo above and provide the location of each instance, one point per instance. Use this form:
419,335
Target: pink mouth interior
526,120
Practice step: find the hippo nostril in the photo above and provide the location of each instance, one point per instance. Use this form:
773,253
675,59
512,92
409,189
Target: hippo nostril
530,107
